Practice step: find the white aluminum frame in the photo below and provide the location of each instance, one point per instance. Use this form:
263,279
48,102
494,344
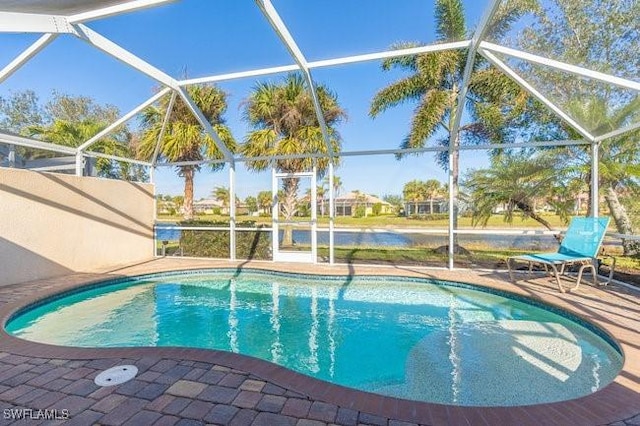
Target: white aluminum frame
33,143
13,22
329,62
618,132
116,158
535,93
226,152
53,25
112,49
562,66
240,159
232,210
117,9
283,33
454,136
119,122
156,151
26,55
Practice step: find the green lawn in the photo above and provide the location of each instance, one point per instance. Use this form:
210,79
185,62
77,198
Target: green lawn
476,256
628,268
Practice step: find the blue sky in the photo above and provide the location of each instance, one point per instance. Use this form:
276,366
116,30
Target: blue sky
202,37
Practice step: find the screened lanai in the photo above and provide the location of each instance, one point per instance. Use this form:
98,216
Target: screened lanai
451,138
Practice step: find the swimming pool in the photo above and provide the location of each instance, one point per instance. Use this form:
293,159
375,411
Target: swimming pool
410,338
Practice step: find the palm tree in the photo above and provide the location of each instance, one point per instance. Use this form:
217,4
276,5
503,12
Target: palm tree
619,168
178,200
184,138
433,188
264,201
516,181
337,187
607,45
337,184
221,194
415,191
284,122
320,194
434,82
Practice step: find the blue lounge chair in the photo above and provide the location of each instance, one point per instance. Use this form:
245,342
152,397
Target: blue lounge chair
580,245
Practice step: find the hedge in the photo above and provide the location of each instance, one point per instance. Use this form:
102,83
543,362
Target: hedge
255,244
428,217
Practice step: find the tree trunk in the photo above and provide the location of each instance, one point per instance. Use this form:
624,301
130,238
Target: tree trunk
589,203
187,207
621,219
529,210
431,205
289,208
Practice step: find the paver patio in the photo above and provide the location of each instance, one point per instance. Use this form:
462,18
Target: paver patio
192,386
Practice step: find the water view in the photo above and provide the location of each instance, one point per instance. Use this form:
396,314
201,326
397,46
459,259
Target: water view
348,238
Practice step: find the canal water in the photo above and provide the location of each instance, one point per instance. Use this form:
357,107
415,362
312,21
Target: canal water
395,239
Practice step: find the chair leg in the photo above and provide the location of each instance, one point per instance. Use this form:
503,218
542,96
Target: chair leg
562,266
611,271
581,270
594,271
509,259
555,273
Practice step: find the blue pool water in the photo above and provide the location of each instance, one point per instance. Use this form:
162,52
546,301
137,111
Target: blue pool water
409,338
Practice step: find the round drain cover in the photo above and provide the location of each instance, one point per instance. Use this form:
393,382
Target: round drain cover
116,375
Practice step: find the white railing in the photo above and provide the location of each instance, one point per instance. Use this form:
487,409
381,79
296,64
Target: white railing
480,232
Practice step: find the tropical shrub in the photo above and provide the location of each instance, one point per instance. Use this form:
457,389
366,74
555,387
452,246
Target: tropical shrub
255,244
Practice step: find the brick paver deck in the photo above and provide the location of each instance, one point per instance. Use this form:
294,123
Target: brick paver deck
192,386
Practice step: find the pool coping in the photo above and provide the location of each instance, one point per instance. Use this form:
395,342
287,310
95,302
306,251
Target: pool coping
618,401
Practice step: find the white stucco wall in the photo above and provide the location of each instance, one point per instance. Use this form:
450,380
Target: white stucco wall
53,224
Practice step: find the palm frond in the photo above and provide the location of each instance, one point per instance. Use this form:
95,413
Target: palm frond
508,13
184,138
407,89
259,143
284,122
435,69
407,62
427,116
450,20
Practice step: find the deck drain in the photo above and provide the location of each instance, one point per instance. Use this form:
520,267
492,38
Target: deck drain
116,375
